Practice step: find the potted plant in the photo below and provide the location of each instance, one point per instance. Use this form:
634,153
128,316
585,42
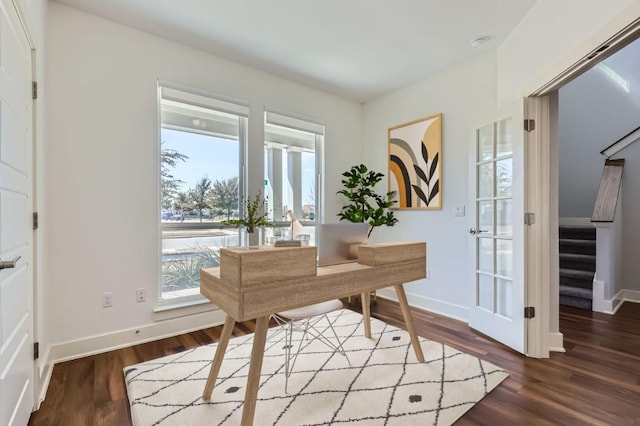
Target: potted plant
255,216
364,204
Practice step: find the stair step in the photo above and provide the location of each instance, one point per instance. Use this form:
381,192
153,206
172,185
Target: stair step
576,278
582,262
577,302
578,246
577,297
578,232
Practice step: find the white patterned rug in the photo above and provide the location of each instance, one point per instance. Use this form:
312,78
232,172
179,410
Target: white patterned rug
384,385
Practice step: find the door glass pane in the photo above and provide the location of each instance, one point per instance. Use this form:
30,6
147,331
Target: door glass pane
504,258
504,177
485,180
485,255
485,143
504,219
485,291
485,216
504,290
504,140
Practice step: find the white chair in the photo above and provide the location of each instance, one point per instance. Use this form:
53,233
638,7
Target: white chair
305,319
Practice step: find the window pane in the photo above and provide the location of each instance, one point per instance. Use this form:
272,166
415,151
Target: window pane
504,177
504,140
200,187
290,173
504,218
504,258
485,180
485,255
485,217
504,294
485,292
485,143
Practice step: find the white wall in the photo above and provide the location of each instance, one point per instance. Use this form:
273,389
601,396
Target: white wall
594,112
630,217
465,95
101,174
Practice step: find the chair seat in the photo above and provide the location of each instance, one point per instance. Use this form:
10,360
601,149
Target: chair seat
312,310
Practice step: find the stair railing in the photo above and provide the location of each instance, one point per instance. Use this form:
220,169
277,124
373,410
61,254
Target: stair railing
621,143
607,218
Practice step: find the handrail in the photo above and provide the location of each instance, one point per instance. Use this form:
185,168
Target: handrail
604,209
621,143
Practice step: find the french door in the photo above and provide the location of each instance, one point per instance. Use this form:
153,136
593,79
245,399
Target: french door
497,231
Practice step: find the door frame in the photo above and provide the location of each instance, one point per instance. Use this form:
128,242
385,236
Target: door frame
38,365
541,198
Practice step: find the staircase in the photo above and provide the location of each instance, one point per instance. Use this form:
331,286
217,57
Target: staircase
577,265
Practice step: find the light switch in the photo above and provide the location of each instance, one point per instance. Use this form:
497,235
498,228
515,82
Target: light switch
459,211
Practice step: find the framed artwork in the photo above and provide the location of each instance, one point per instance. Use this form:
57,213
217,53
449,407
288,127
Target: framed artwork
415,163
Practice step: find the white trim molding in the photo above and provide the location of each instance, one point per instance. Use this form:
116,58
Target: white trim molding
74,349
556,342
460,313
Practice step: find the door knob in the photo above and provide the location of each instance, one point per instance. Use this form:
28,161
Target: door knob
7,264
474,231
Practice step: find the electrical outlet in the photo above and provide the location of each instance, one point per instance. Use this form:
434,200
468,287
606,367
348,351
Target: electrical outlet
141,295
107,300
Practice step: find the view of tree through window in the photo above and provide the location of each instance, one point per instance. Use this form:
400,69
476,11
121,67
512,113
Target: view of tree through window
200,151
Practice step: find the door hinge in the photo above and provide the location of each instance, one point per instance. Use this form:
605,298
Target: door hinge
34,90
529,124
36,350
529,312
35,220
529,218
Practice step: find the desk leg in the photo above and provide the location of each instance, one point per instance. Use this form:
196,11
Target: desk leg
366,313
255,367
408,322
217,360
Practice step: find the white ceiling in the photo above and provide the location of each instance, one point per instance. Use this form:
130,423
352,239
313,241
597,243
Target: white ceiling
358,49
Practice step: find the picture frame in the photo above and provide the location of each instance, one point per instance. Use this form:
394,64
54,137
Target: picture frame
415,163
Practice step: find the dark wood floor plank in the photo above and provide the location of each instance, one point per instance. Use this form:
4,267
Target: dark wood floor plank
596,382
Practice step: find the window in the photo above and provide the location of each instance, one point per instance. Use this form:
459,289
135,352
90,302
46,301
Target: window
202,143
292,168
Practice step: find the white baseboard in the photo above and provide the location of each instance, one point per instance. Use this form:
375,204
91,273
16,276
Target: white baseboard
575,221
458,312
611,306
556,342
92,345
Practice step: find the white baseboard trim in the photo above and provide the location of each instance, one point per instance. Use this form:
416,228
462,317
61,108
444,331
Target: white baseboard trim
575,221
556,342
92,345
602,305
458,312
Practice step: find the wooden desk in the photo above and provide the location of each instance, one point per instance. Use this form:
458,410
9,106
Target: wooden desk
253,284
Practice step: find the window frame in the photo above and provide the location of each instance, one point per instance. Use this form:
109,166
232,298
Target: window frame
179,93
317,129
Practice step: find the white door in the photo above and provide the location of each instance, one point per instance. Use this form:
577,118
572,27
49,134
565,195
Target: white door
16,281
498,308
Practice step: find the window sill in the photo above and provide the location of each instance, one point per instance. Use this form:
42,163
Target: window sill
169,309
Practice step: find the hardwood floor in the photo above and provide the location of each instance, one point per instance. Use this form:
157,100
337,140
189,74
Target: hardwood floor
597,380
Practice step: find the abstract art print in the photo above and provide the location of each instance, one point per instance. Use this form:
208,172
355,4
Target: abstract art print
415,163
